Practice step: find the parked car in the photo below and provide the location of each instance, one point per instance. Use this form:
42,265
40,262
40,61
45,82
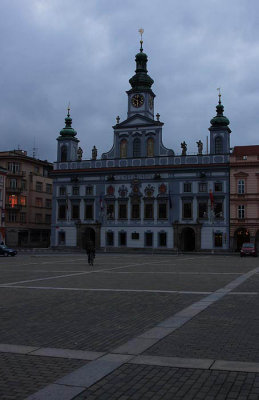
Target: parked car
5,251
248,249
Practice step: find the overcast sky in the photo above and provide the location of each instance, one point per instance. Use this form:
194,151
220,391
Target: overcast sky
83,51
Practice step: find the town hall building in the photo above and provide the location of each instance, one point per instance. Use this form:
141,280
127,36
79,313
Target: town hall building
139,194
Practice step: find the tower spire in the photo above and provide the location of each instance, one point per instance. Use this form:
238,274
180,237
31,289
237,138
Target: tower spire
68,131
141,80
141,31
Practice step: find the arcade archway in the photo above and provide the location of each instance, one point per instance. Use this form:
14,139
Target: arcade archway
241,236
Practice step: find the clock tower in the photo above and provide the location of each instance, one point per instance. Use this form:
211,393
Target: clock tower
141,96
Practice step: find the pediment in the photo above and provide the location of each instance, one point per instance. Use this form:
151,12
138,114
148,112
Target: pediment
241,174
137,120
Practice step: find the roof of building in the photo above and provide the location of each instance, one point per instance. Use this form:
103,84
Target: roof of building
246,150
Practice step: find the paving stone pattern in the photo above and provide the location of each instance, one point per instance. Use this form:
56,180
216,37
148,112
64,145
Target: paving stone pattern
251,285
22,375
131,382
227,330
139,282
82,320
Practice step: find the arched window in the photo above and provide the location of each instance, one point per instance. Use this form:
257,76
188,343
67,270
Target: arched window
63,153
136,148
123,148
150,147
218,145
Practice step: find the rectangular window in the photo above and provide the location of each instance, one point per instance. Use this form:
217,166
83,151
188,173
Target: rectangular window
48,203
110,211
75,190
23,184
38,202
62,191
162,210
218,210
241,212
62,238
48,188
23,218
75,211
13,167
123,211
203,210
13,200
148,239
12,216
241,186
162,239
218,187
187,210
62,211
218,239
135,211
203,187
13,183
89,211
109,239
47,218
122,239
23,201
38,218
89,190
39,186
187,187
148,211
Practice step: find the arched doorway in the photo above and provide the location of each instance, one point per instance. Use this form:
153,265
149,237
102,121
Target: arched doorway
242,235
188,239
89,236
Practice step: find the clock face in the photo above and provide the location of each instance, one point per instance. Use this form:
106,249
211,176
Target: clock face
151,102
137,100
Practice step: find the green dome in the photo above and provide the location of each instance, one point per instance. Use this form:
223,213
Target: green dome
141,80
220,119
68,131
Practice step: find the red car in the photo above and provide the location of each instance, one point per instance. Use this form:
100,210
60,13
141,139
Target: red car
248,249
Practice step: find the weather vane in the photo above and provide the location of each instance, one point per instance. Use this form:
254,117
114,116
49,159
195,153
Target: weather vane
141,31
218,89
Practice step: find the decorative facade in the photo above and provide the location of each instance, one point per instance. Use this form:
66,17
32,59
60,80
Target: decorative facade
28,200
244,197
139,194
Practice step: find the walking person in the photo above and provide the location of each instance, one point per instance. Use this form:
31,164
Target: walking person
90,251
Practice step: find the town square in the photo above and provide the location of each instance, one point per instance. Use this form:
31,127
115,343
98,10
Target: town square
133,326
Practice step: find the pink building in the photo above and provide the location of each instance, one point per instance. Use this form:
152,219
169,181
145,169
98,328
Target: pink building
244,196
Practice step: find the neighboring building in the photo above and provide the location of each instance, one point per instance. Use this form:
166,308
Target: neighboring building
140,194
28,199
2,204
244,196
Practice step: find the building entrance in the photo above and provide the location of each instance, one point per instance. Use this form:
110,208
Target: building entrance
89,236
188,239
242,235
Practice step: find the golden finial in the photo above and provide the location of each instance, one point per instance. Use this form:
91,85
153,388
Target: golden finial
141,31
218,89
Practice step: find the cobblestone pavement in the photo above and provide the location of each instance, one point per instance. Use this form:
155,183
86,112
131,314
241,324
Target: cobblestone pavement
22,375
141,382
87,321
158,305
227,330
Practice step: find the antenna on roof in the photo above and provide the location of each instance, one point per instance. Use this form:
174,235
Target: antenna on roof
34,149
